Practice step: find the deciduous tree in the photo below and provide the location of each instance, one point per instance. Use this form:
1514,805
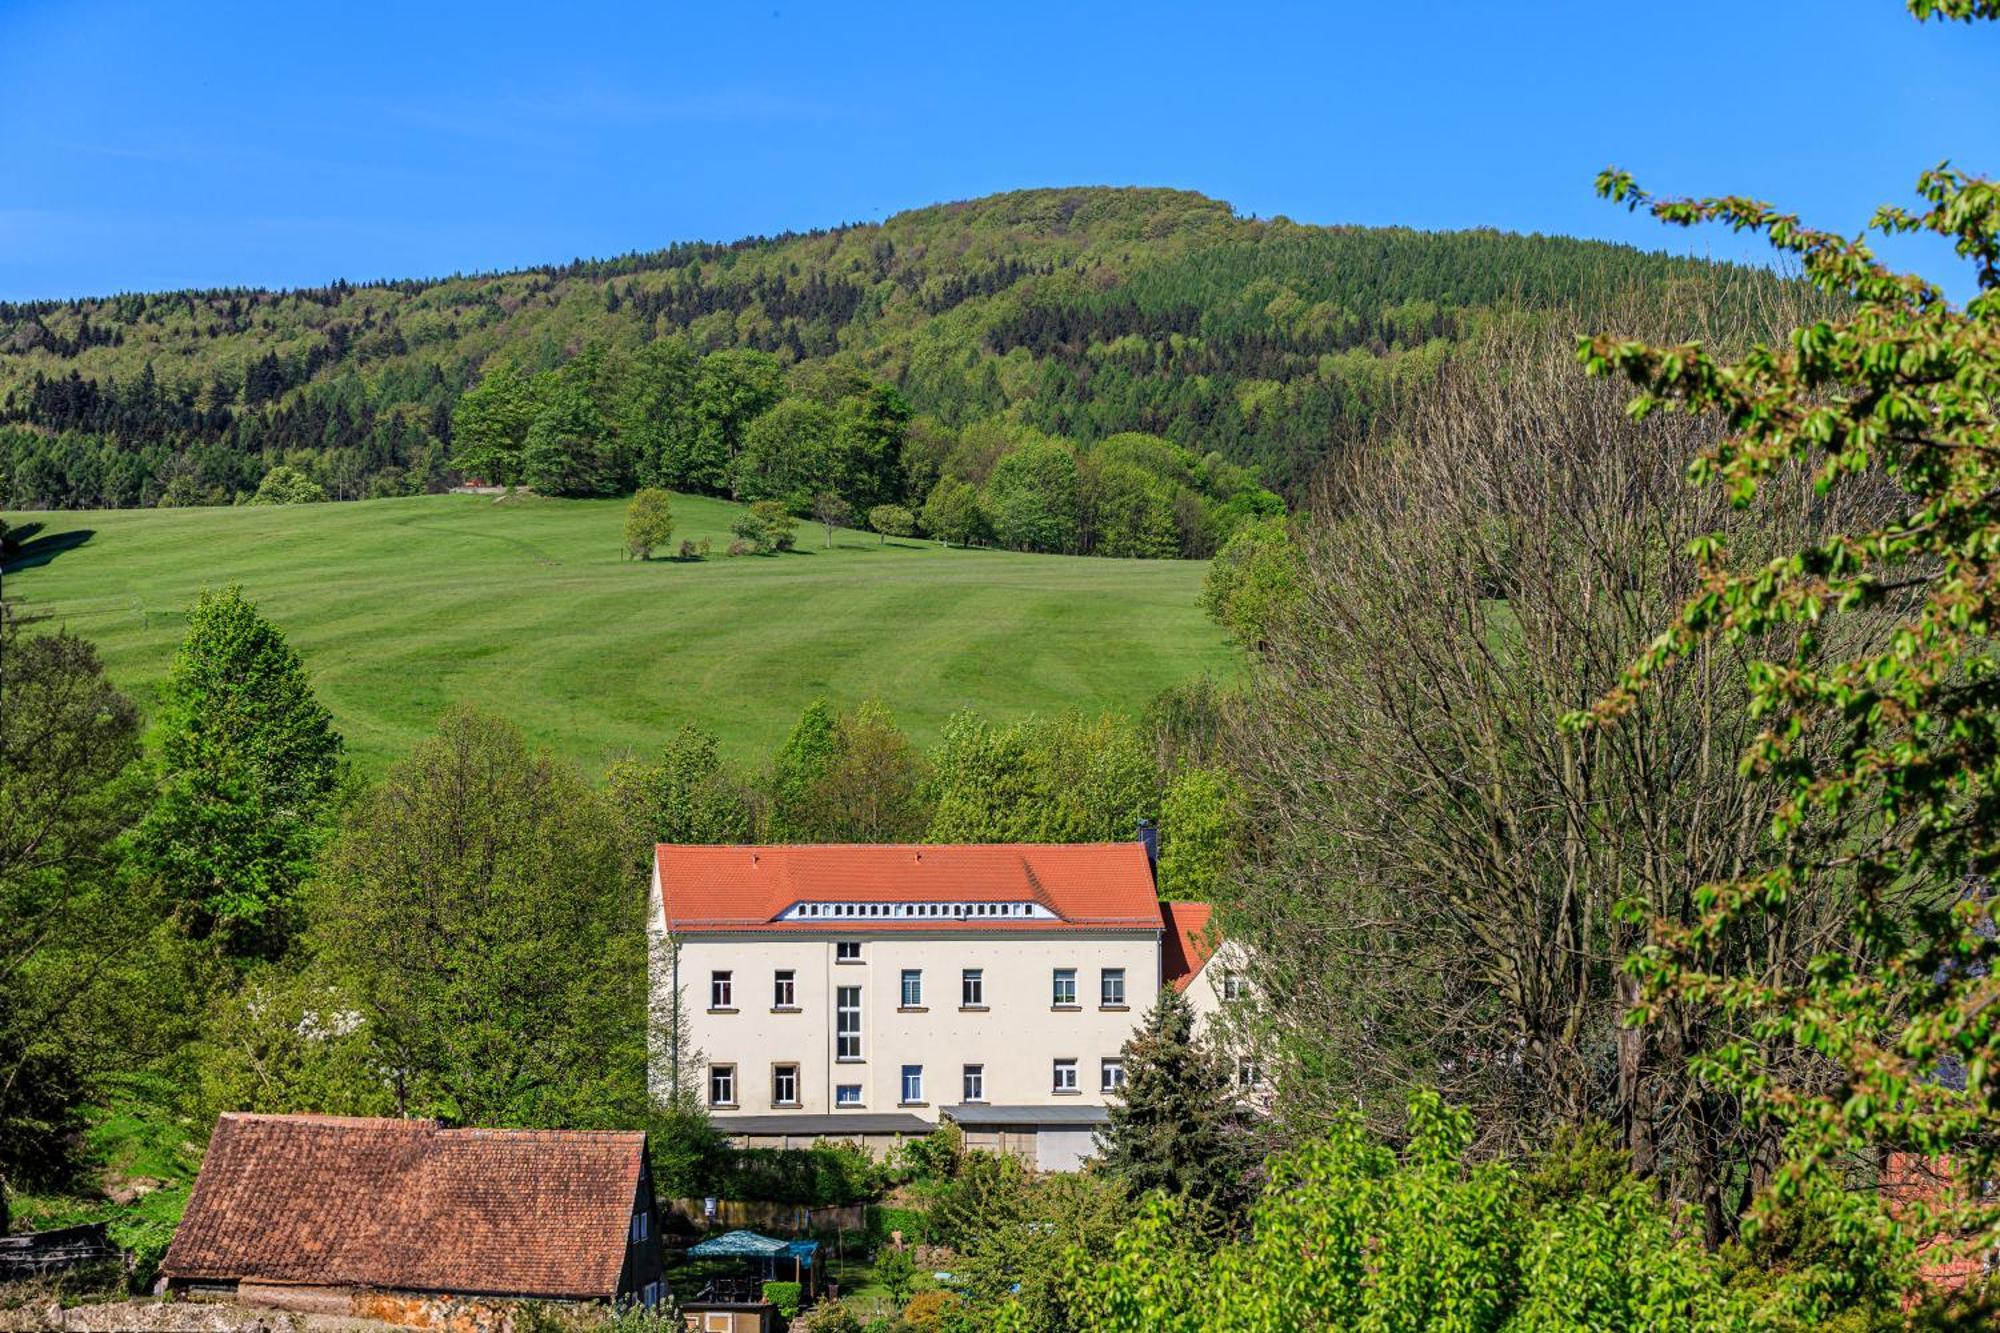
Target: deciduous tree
649,521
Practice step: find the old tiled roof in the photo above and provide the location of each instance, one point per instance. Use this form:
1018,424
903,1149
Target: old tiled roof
405,1205
1188,943
1101,884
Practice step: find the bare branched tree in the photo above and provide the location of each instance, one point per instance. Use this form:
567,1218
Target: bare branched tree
1445,884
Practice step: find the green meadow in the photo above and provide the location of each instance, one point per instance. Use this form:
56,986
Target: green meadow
527,608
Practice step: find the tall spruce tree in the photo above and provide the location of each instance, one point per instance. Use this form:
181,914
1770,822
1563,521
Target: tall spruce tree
1176,1125
251,765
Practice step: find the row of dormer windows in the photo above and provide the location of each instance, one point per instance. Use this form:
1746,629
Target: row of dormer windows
916,911
910,988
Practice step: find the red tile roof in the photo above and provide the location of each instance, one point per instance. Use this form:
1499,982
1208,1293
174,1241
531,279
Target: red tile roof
745,888
404,1205
1188,943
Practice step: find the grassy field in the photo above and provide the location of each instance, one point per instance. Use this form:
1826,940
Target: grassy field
525,608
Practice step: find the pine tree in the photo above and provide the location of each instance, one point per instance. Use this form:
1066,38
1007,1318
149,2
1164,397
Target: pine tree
1175,1124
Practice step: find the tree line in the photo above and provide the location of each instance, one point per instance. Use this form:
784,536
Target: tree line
1082,314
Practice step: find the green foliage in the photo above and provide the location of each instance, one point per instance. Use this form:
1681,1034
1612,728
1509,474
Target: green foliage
952,513
936,1156
687,796
286,485
1015,1235
250,763
1253,584
1061,779
649,522
1175,1126
1202,823
1886,757
567,448
886,1220
489,426
824,1175
851,777
892,521
71,924
897,1272
483,913
785,1295
828,1316
1349,1233
767,527
932,1310
1032,499
1084,313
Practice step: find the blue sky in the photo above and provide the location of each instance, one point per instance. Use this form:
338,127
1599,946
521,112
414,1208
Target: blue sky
153,146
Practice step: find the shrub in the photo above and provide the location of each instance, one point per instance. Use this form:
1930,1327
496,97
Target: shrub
885,1220
649,521
823,1175
927,1310
741,547
892,521
829,1316
897,1272
785,1295
689,551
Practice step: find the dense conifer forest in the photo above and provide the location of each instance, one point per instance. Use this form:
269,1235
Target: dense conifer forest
1153,367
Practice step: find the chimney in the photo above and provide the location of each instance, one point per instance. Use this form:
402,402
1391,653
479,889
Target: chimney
1149,838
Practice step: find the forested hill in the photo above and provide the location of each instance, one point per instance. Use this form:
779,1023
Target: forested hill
1078,314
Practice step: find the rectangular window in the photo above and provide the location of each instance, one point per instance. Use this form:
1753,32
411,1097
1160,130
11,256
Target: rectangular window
784,1085
1112,989
720,988
722,1085
975,1083
847,1094
1065,986
972,987
1248,1074
913,1083
847,1023
639,1227
784,989
847,951
1235,986
913,988
1065,1077
1111,1076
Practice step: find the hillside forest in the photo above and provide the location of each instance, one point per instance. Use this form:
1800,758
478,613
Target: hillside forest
1099,371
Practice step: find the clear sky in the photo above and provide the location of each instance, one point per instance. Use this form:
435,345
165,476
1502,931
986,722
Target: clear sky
211,144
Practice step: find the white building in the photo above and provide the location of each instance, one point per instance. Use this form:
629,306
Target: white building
863,991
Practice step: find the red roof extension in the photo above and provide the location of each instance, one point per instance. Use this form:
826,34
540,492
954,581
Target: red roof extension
1188,944
1101,884
405,1205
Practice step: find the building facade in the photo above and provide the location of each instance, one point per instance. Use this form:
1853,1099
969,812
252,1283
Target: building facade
868,991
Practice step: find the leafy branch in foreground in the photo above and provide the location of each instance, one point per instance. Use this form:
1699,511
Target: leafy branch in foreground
1889,759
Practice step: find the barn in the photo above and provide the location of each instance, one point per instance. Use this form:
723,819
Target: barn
412,1223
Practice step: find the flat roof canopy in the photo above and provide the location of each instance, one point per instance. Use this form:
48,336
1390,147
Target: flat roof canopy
980,1115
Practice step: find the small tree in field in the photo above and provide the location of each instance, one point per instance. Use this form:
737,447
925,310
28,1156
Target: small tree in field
649,522
892,521
832,511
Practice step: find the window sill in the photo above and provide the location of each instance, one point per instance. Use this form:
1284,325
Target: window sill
725,1106
975,1101
786,1106
912,1103
1115,1008
1063,1009
973,1009
1065,1092
713,1010
913,1008
850,1059
786,1009
847,962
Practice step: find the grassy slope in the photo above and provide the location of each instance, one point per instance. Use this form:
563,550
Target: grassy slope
402,607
